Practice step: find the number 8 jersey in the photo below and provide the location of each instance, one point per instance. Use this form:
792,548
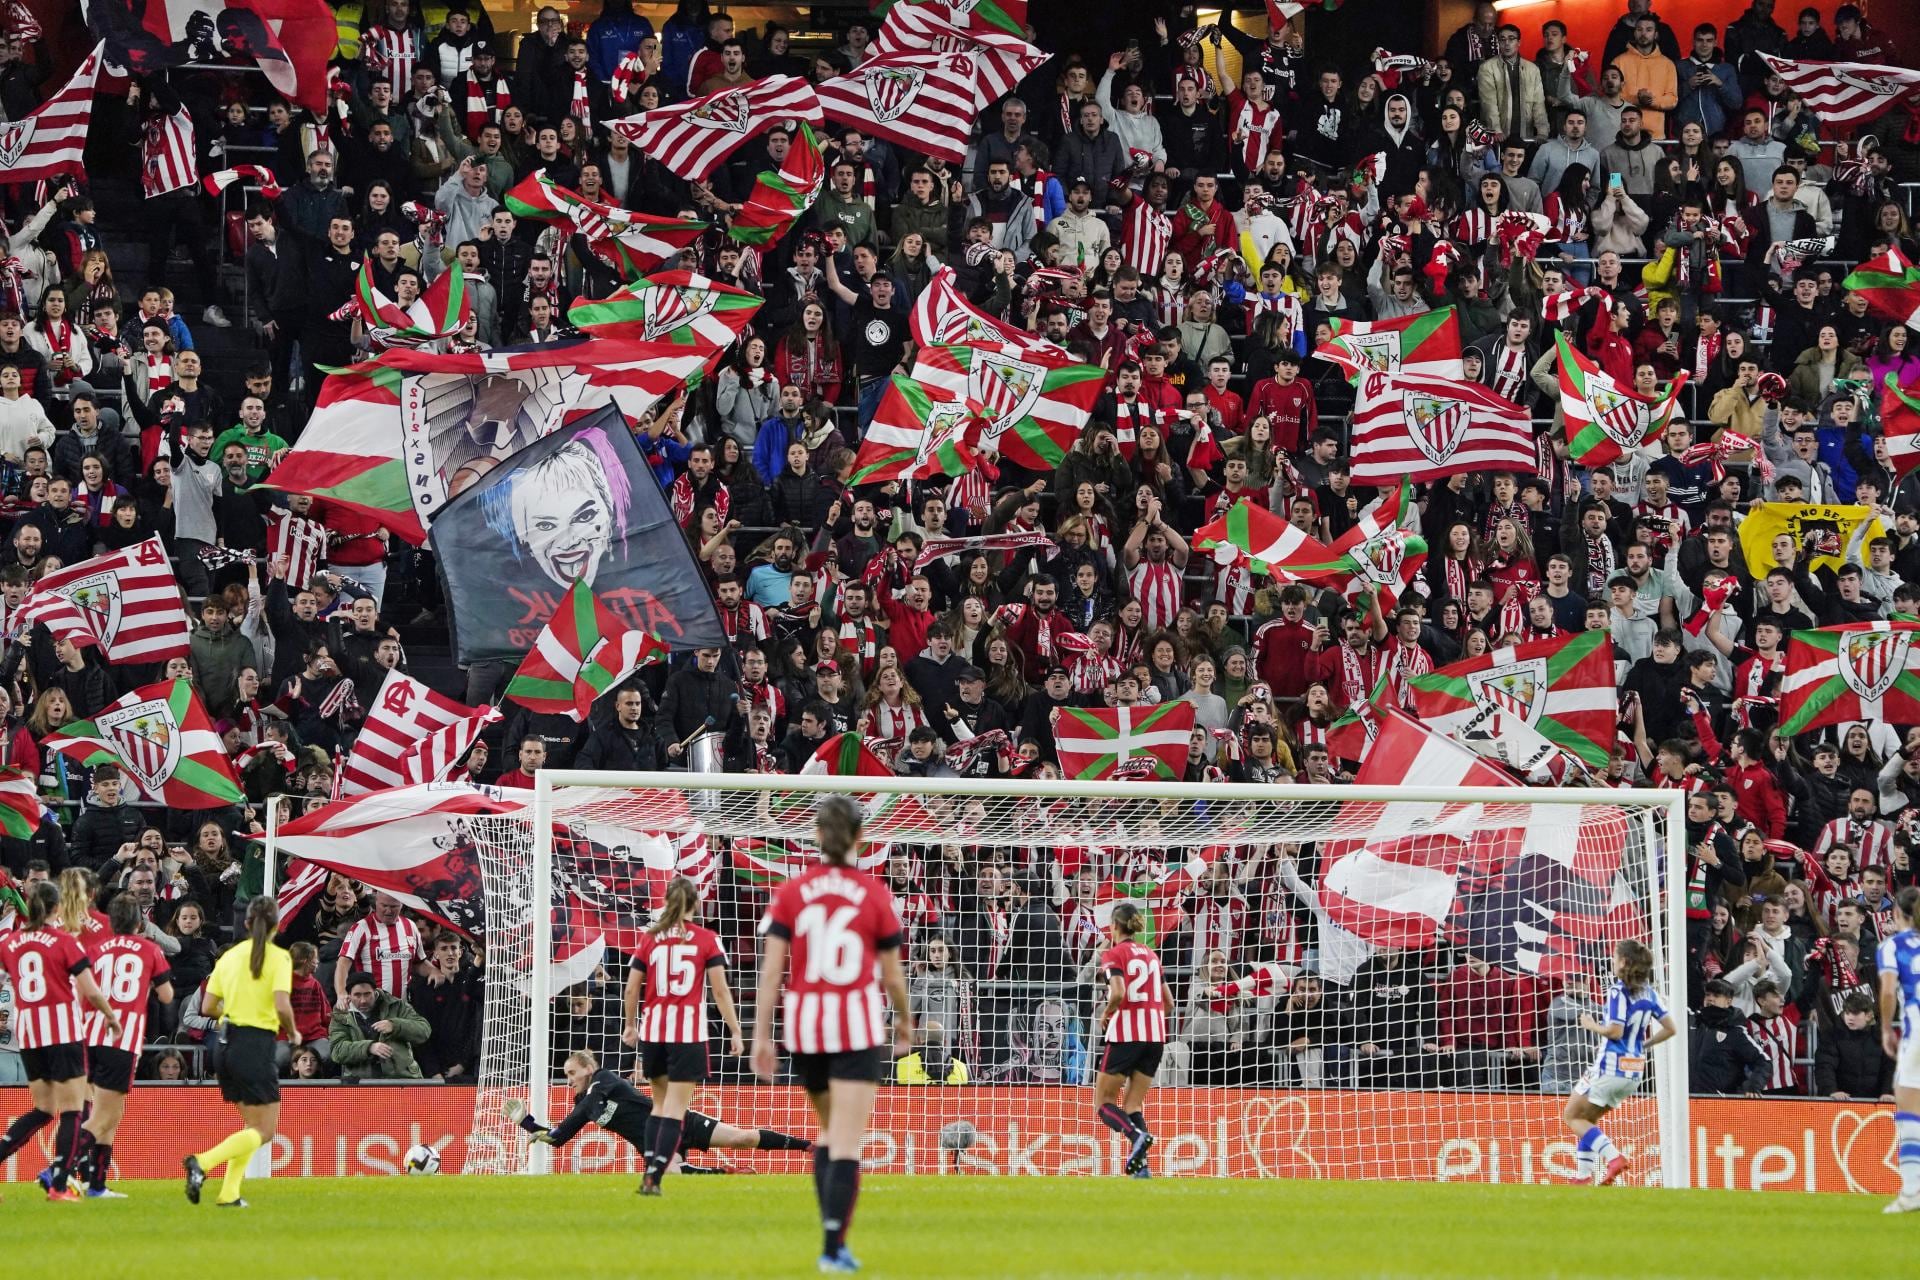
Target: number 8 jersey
837,922
42,964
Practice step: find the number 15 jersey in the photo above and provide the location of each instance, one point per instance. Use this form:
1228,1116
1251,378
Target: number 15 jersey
837,921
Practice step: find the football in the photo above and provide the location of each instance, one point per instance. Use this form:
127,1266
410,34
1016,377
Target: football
421,1159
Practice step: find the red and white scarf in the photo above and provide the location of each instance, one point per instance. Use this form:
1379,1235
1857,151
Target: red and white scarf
59,336
159,372
581,106
1705,351
486,103
628,77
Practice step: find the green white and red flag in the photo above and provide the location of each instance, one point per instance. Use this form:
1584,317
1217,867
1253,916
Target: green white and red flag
1891,286
160,735
778,199
440,312
632,243
21,812
1427,343
1123,742
1861,671
1267,543
1037,396
1381,555
1900,426
361,448
1351,737
675,307
582,652
847,755
919,432
768,862
1604,419
1561,690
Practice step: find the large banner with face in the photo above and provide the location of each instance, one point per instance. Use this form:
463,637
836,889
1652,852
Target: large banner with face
578,505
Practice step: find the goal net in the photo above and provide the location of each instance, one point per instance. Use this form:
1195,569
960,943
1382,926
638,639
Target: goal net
1367,983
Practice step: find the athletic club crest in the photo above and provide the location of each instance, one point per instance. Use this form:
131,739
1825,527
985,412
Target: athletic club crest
1617,415
667,308
730,112
15,138
891,90
1870,661
1376,352
1877,86
1007,386
945,423
1379,558
1517,689
146,737
99,601
1437,426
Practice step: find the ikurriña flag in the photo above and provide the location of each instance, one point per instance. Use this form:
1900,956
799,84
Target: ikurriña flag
919,432
1425,343
582,652
1860,671
1123,742
632,243
1604,420
779,197
1037,397
160,736
1891,286
675,307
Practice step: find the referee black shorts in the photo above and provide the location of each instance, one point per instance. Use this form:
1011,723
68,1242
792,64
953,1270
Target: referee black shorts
248,1073
55,1063
110,1069
1122,1058
676,1063
861,1066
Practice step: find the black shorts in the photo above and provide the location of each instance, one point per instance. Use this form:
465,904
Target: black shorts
679,1063
110,1068
862,1066
696,1132
248,1074
1128,1058
55,1062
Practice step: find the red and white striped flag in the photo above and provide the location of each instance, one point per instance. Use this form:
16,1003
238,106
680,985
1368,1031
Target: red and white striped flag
1845,93
167,158
303,884
53,139
922,101
433,757
1423,428
691,139
404,712
941,314
303,542
127,602
1000,57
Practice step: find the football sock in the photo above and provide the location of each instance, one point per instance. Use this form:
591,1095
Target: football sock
21,1129
1115,1119
666,1141
843,1188
233,1151
1604,1152
774,1140
1906,1127
100,1159
650,1141
822,1161
1139,1119
1583,1153
66,1143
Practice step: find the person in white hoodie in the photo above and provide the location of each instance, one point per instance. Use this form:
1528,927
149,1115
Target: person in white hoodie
1131,121
22,421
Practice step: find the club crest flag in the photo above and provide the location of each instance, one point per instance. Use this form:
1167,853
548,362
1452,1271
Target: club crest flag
1891,286
1427,343
127,602
1037,398
52,139
1837,529
1412,426
1559,689
1605,421
577,506
631,243
1862,671
692,139
942,315
161,736
779,198
679,308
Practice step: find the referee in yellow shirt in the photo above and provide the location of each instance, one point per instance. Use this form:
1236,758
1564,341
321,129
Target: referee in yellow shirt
251,987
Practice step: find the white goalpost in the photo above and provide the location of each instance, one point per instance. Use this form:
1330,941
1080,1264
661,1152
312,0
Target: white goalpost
1299,1047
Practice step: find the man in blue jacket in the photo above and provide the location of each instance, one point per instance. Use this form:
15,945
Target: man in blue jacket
1709,86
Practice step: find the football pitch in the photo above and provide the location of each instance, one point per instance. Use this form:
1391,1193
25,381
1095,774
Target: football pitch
926,1227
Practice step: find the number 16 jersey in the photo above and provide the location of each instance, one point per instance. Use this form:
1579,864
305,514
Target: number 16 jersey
837,921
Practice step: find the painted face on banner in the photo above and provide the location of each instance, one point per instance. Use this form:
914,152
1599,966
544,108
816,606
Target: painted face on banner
567,530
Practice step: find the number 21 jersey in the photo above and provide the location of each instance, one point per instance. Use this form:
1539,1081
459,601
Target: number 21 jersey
837,921
1142,1015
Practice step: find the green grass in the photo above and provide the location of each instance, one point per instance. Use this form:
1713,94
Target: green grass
452,1228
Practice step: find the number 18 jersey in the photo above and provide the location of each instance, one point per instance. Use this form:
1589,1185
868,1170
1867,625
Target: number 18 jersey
837,921
1142,1015
127,967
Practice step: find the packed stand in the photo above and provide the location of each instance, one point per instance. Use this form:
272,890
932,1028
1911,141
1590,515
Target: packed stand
1194,236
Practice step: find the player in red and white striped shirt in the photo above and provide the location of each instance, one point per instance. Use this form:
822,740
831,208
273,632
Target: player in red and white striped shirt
127,966
1135,1027
50,978
385,944
672,1026
843,934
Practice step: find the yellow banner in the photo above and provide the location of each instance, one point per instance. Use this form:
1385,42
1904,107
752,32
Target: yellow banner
1770,520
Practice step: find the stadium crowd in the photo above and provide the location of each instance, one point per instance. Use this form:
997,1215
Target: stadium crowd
1192,234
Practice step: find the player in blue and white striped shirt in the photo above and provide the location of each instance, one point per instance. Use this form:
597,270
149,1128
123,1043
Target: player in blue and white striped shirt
1899,963
1636,1020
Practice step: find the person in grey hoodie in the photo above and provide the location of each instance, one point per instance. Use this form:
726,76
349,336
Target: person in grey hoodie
1633,155
1558,154
464,199
1092,151
1131,120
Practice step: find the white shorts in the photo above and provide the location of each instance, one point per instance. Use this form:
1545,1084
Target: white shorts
1607,1090
1906,1069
